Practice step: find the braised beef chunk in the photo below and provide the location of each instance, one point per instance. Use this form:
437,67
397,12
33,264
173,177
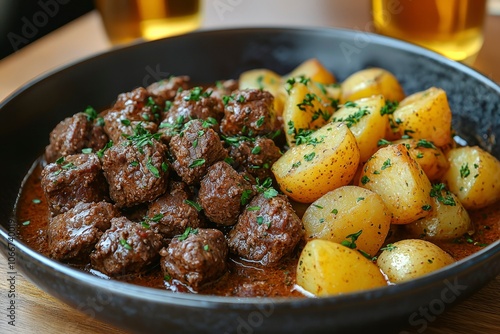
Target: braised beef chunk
138,105
223,88
174,211
248,112
223,192
194,150
130,109
125,248
267,230
255,156
197,257
136,169
118,126
165,90
73,234
188,105
75,133
73,179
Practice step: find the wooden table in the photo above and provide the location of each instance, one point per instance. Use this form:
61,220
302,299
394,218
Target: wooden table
38,312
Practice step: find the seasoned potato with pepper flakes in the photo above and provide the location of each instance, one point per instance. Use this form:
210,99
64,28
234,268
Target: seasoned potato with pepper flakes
325,160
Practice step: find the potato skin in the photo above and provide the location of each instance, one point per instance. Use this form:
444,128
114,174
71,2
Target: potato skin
308,171
473,176
347,210
313,69
425,115
430,157
327,268
371,81
411,258
444,222
400,181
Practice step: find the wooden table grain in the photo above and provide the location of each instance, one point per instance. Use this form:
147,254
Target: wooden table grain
38,312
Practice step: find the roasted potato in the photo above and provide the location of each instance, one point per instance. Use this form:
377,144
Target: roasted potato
371,81
327,159
411,258
447,219
425,115
473,176
430,157
400,181
350,213
307,107
313,69
366,122
327,268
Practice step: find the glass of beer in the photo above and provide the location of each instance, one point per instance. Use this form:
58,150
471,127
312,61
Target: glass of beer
128,20
453,28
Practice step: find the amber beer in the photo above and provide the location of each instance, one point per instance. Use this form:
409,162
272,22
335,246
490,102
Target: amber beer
450,27
127,20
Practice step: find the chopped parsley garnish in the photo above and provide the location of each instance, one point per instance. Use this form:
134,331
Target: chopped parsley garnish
335,211
36,201
425,143
256,150
307,101
142,137
134,164
125,121
164,167
196,94
350,104
310,156
206,248
253,208
386,164
365,179
87,150
168,106
26,223
437,191
194,205
125,244
245,196
464,170
353,118
152,168
266,188
60,161
317,206
91,113
388,247
197,163
389,108
351,243
260,121
100,153
210,121
427,207
187,232
383,142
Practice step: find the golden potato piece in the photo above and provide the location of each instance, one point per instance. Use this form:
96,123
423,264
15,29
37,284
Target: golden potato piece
473,176
345,211
411,258
447,220
327,159
400,181
313,69
371,81
327,268
307,107
425,115
430,157
364,119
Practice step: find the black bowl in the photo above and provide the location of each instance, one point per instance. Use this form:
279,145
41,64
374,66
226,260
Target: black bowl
27,117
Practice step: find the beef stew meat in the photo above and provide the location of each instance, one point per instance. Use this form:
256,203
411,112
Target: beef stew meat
136,170
73,234
249,112
255,156
118,127
137,105
267,230
82,130
126,248
166,90
194,150
197,257
73,179
223,192
173,212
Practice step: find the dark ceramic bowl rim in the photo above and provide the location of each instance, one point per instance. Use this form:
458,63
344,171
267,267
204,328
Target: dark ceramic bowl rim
203,301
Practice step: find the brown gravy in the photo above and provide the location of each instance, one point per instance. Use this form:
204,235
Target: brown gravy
243,278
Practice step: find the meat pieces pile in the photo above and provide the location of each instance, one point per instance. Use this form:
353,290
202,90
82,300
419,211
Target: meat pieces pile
170,175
